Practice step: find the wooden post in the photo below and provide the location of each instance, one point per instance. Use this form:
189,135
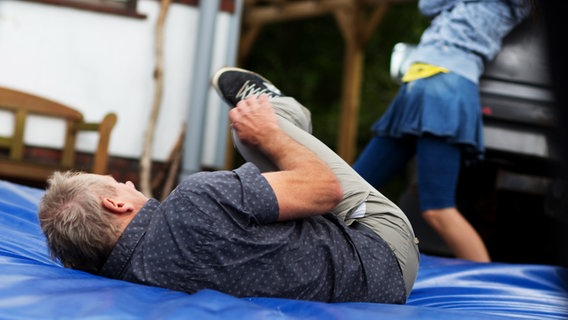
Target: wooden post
356,27
350,101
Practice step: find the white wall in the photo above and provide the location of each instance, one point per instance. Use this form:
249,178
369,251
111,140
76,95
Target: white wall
98,63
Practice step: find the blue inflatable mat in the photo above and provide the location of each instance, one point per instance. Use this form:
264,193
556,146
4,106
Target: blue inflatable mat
34,287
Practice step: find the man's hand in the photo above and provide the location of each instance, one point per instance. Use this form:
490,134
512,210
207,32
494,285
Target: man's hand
304,185
254,121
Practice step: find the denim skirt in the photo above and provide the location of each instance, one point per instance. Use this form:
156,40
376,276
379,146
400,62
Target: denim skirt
445,105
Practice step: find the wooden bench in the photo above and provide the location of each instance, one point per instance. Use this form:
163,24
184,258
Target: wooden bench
14,163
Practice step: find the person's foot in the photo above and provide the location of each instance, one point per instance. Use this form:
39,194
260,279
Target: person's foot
235,84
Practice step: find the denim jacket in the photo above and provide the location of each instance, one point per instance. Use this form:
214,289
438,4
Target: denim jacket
465,34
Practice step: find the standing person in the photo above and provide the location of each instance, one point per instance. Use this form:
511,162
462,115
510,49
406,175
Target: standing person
306,227
436,115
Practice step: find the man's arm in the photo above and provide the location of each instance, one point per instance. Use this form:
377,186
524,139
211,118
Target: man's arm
304,185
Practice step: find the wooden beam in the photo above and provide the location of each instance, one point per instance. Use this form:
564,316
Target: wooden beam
283,11
357,27
248,37
348,22
377,2
374,20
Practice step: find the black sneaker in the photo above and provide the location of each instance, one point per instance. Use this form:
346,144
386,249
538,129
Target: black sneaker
235,84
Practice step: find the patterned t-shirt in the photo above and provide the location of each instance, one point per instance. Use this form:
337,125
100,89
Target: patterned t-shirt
219,230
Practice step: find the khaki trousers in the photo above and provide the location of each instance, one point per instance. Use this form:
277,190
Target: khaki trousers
361,201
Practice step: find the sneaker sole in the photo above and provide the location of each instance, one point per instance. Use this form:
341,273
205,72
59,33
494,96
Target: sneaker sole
217,75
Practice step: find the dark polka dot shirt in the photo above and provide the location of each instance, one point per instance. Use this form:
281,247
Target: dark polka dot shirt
219,230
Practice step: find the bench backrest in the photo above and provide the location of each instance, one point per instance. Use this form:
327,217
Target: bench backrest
22,104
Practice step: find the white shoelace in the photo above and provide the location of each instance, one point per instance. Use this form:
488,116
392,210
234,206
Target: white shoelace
249,89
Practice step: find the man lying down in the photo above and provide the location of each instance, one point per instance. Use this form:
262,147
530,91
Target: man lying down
294,222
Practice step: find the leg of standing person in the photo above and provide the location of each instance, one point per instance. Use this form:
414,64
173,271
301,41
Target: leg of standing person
360,202
438,171
383,158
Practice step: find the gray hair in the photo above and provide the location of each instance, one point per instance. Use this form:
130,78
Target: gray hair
79,231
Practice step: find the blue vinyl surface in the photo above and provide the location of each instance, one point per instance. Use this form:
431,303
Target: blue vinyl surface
34,287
